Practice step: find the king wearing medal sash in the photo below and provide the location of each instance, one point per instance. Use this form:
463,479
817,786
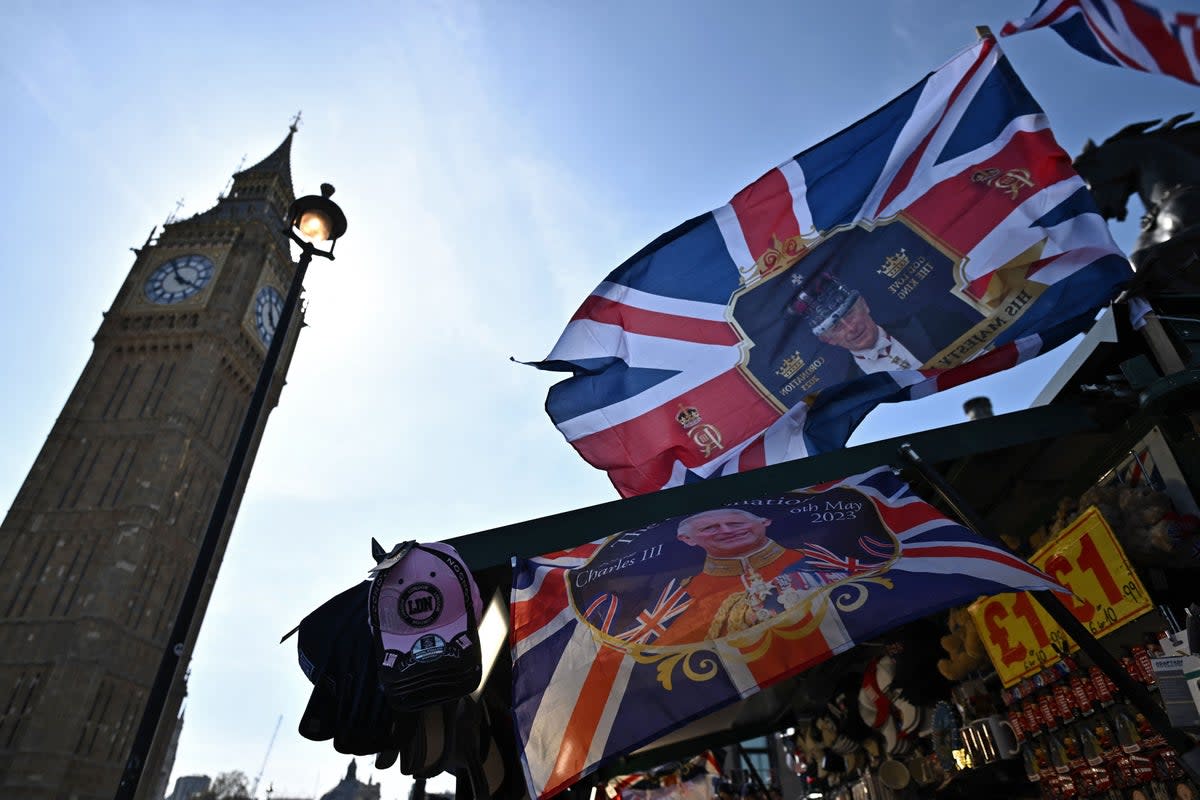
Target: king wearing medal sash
747,577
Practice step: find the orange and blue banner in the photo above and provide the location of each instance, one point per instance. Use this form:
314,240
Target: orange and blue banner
620,641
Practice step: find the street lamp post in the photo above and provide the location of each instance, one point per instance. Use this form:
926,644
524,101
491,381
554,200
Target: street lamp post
316,218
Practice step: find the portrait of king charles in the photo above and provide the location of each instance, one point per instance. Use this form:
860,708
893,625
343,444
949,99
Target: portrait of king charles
720,572
860,301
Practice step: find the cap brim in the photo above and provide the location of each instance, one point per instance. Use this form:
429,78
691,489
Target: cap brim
323,634
432,742
320,631
436,686
319,720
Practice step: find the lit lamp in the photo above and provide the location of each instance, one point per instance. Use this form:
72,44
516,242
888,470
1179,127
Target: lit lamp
314,226
317,219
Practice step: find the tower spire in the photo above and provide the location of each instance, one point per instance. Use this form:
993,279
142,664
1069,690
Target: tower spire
265,188
119,450
278,163
174,215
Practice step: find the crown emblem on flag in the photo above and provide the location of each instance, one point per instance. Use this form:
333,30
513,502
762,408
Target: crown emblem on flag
688,417
894,264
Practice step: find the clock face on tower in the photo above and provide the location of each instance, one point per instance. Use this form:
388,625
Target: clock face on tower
267,308
179,279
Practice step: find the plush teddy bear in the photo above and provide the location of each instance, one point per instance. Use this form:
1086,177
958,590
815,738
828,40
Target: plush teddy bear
1105,498
1038,538
811,744
1063,515
827,730
972,643
1145,522
962,645
1143,519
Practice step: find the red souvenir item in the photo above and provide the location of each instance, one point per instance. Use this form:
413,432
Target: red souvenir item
1062,702
1031,717
1141,657
1121,769
1072,747
1083,699
1016,721
1046,709
1101,684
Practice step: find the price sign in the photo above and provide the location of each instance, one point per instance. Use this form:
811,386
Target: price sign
1106,593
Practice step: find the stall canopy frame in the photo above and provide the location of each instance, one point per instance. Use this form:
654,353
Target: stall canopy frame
1012,469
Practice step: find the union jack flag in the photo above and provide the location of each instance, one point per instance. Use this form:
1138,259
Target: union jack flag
653,622
582,695
1123,33
826,559
951,212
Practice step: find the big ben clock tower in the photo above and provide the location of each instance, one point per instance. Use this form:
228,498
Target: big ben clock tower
103,535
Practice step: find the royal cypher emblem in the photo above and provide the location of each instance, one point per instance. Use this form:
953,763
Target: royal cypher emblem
704,435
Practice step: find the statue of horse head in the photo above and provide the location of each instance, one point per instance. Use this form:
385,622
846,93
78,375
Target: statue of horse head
1162,164
1140,158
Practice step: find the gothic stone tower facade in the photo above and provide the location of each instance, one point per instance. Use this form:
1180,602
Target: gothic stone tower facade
103,535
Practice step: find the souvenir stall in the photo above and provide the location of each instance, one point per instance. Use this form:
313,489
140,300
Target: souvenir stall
1097,488
1112,514
987,698
1010,709
1128,550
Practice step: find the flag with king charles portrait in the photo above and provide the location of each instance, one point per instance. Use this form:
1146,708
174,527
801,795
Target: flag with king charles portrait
942,238
624,639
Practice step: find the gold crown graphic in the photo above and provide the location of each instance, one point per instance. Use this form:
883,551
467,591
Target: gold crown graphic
688,417
893,264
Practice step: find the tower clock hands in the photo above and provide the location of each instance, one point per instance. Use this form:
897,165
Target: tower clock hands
179,278
268,308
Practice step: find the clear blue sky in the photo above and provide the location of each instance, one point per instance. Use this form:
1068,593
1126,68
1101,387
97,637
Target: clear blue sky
495,162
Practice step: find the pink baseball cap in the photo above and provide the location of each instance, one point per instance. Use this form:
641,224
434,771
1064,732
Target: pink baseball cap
424,612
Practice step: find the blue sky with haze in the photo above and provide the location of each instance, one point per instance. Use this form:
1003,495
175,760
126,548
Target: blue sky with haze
495,161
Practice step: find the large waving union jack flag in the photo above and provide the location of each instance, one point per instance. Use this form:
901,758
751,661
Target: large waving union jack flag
943,237
624,639
1123,33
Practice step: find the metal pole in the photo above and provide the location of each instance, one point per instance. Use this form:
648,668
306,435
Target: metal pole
167,667
762,787
1189,755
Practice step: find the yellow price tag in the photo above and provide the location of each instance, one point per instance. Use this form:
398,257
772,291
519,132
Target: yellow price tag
1085,557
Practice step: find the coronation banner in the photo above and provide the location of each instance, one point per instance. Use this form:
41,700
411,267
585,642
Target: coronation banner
941,238
620,641
1021,638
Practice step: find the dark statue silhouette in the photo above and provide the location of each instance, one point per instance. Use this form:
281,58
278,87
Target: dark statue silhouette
1161,164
